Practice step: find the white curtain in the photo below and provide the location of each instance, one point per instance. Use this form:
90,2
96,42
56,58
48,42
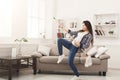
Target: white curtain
36,18
5,18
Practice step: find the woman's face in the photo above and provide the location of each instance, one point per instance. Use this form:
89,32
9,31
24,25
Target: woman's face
84,27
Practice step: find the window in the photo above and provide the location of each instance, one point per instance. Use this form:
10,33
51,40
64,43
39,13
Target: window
5,18
36,18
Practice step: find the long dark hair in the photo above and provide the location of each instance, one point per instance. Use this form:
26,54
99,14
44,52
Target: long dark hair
89,27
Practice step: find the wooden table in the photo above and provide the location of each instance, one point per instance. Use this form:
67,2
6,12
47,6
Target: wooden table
17,63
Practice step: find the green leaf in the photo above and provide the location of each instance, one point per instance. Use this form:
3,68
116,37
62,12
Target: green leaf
20,40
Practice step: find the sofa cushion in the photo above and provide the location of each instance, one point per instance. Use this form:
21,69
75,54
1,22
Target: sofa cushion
54,50
94,60
53,59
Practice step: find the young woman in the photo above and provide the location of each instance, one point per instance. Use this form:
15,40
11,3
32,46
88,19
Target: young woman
83,39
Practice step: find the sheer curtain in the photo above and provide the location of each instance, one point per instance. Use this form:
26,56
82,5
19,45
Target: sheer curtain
36,18
5,18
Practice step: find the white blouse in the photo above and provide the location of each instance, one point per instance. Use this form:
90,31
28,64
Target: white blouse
79,37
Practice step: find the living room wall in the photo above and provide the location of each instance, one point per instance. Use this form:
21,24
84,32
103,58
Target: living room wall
85,10
19,21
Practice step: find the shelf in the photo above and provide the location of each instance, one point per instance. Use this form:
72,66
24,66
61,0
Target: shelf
107,25
108,35
106,14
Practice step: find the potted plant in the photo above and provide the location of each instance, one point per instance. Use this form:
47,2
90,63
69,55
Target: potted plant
19,41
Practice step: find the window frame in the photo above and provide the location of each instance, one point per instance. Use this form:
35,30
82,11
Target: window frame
32,16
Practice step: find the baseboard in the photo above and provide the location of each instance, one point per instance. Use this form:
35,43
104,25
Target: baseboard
114,68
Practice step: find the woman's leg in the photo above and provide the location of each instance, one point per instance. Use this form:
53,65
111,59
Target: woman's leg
73,51
62,42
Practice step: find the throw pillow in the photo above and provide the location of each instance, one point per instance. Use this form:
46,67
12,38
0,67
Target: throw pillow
44,50
100,51
92,51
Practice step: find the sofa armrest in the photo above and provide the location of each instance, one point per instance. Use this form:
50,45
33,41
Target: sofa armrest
36,54
104,56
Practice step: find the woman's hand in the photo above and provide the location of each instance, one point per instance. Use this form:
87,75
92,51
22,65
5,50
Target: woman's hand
77,44
63,28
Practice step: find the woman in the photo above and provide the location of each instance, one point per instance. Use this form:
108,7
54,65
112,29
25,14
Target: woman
80,42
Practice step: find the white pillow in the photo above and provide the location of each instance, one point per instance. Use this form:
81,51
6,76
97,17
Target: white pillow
44,50
100,51
92,51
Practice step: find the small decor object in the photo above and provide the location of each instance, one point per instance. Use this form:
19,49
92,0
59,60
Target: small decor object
13,52
19,44
42,35
111,32
111,22
60,35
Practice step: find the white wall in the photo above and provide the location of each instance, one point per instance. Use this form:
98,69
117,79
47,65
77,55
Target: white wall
19,21
19,18
85,10
49,17
77,8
